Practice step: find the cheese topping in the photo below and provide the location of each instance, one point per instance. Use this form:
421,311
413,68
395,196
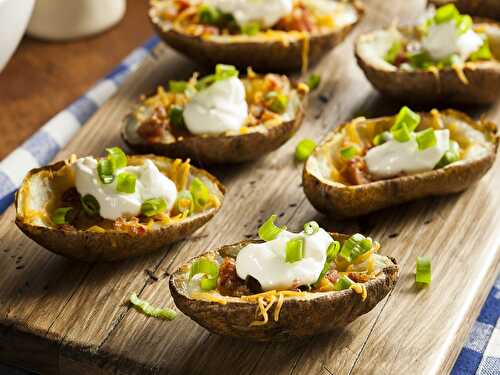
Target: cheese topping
443,40
150,184
266,261
393,157
265,12
217,109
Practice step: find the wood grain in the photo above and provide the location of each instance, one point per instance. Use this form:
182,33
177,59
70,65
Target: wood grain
43,78
58,316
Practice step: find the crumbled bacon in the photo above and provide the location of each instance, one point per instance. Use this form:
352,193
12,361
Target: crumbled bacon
332,276
356,172
155,125
131,225
229,283
300,19
358,277
400,59
71,195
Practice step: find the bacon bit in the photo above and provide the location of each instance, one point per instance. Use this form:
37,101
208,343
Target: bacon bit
300,19
401,58
67,227
359,277
332,276
356,172
273,82
229,284
71,195
154,127
131,225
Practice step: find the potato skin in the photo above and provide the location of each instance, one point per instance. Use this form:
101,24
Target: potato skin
111,245
482,8
344,201
226,148
298,317
261,56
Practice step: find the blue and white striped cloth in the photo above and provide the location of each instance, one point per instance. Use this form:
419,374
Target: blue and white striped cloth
480,354
42,146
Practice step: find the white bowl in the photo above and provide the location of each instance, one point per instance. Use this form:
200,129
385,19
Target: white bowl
14,17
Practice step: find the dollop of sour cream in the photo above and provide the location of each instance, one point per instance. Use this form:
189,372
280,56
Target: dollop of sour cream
266,261
443,40
392,157
219,108
266,12
150,184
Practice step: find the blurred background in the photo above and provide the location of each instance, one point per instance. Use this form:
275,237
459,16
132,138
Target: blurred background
51,67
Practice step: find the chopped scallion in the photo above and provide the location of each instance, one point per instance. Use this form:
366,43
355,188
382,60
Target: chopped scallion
450,156
483,53
349,152
251,28
304,148
406,122
208,269
176,116
152,207
199,192
269,231
382,138
294,250
423,272
177,86
446,13
343,283
313,81
125,183
106,170
61,215
223,71
209,15
393,52
426,139
117,157
147,309
90,205
311,228
184,202
355,246
331,253
277,102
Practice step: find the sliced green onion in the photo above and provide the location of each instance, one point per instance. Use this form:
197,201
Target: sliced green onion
331,253
355,246
464,23
446,13
60,215
176,115
184,202
313,81
125,183
177,86
277,102
154,206
209,15
251,28
269,231
343,283
483,53
304,148
294,250
205,82
420,60
90,205
106,170
349,152
423,273
405,123
382,138
426,139
311,228
450,156
199,192
117,157
393,52
451,60
223,71
147,309
208,269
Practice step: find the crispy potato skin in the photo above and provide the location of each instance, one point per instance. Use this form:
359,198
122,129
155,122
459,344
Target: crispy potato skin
444,86
344,201
226,148
261,56
298,317
111,245
482,8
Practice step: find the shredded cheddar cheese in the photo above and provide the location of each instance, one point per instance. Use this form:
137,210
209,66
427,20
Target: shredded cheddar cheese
459,69
305,52
360,289
209,297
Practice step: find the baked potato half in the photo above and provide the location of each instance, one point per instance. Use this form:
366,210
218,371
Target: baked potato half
301,37
481,8
280,315
274,110
345,188
51,211
397,63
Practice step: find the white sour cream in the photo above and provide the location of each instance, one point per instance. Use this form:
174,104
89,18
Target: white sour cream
266,261
393,157
443,40
266,12
217,109
342,13
150,184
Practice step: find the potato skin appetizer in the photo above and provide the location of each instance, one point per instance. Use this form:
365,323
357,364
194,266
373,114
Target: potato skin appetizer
475,81
94,238
265,128
482,8
298,314
335,193
298,44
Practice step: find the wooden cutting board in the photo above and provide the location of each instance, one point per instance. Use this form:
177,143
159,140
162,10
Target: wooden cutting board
59,316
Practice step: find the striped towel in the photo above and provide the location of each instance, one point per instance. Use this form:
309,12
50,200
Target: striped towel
481,352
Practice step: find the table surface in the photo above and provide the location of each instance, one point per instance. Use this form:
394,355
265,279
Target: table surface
59,316
43,78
